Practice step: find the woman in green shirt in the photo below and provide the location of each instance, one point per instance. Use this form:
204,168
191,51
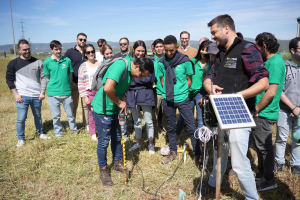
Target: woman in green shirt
202,65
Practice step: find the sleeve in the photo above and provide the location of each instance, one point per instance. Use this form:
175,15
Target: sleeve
253,62
81,82
161,70
46,71
210,73
189,68
42,76
11,75
115,71
276,73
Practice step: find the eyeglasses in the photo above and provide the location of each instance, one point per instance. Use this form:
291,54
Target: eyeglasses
123,44
184,38
89,52
100,45
82,40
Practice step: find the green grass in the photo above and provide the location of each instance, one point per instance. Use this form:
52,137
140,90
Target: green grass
66,168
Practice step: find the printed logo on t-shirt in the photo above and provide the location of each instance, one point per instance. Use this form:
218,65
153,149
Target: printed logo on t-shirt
178,67
230,62
64,66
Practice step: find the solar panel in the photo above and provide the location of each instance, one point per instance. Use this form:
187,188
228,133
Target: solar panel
232,111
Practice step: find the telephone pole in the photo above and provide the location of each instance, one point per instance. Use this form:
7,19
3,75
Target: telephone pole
12,25
23,37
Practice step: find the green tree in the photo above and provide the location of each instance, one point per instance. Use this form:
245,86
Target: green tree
130,48
11,51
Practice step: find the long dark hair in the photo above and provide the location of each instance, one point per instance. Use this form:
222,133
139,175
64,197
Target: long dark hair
137,44
198,57
84,50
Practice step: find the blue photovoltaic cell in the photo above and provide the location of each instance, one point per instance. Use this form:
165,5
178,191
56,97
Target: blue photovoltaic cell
232,110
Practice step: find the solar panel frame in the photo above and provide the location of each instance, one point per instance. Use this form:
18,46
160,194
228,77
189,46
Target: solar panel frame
231,111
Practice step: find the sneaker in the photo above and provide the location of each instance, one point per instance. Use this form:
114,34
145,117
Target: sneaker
135,146
105,178
296,170
278,167
151,149
44,136
119,167
170,158
206,189
264,185
87,127
20,143
94,137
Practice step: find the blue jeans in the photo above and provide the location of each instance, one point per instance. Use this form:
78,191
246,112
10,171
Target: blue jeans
186,110
194,101
108,128
137,118
22,110
238,141
54,104
284,124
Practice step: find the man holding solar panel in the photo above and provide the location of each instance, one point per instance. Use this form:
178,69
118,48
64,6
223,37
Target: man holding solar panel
238,68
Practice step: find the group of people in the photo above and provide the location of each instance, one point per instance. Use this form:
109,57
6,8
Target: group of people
175,77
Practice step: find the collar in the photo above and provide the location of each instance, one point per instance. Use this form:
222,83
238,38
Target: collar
53,58
184,49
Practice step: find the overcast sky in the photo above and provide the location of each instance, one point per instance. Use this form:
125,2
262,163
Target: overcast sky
45,20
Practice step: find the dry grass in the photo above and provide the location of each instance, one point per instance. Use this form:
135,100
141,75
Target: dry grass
66,168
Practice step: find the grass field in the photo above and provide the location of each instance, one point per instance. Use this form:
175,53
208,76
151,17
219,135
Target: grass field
66,168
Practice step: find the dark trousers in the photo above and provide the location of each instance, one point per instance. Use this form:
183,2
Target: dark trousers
262,138
186,111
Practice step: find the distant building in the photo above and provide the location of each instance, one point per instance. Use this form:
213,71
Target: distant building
298,27
3,54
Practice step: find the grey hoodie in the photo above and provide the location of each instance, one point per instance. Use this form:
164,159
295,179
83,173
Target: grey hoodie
291,86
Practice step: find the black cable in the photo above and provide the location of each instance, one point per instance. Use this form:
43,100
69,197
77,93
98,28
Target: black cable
143,188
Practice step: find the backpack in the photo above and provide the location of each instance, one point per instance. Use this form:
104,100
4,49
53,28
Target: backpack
100,72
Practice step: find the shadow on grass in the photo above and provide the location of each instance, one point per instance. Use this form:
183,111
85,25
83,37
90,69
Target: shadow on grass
48,126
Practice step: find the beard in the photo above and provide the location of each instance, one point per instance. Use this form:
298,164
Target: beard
125,51
263,55
222,42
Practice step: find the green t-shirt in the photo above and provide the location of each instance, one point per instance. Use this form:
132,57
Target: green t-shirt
114,72
197,82
159,89
58,72
276,67
181,90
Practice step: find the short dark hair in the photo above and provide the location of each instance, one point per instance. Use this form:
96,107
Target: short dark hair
294,43
157,41
170,39
144,64
101,41
125,39
54,43
269,40
222,21
84,49
83,34
22,41
240,35
184,32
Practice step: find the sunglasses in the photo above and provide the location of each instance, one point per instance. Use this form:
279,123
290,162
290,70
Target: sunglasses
82,40
89,52
123,44
100,45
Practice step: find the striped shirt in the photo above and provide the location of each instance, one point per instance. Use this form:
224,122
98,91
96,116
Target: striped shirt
85,78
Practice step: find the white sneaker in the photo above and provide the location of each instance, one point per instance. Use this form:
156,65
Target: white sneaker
87,127
44,136
20,143
151,149
135,146
94,137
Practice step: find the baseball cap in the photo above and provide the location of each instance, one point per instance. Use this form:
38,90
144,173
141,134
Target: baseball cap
212,48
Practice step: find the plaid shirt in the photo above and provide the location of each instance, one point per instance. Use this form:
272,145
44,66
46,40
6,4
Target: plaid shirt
253,62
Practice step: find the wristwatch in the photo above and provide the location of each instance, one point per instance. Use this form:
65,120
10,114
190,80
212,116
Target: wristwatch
43,93
255,110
